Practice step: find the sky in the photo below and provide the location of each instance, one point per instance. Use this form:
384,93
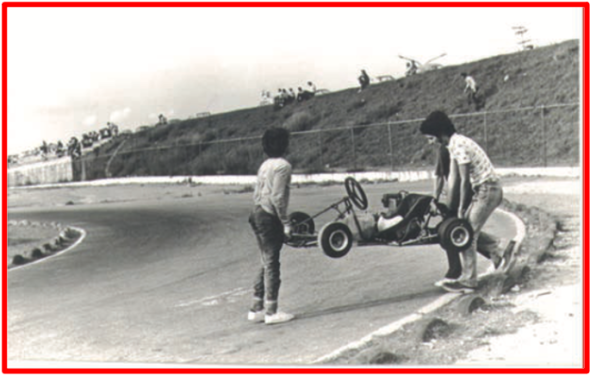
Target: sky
70,70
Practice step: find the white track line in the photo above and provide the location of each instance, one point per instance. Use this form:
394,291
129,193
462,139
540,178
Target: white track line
211,299
438,303
78,241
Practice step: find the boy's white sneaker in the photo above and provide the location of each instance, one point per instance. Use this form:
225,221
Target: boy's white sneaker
440,282
278,317
256,316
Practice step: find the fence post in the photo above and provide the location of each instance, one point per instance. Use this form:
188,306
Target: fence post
353,148
321,150
390,145
485,131
544,135
83,162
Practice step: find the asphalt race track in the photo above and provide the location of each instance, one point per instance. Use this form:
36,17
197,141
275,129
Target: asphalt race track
170,281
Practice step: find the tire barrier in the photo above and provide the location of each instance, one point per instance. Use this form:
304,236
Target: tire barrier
469,304
435,329
66,239
438,321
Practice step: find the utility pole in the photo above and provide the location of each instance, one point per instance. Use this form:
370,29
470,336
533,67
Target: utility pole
520,32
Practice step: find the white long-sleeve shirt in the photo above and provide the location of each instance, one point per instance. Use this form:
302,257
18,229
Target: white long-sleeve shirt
470,84
272,187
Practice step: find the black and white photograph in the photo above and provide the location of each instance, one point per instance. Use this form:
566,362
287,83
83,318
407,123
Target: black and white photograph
306,186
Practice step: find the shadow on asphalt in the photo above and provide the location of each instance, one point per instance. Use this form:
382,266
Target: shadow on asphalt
369,304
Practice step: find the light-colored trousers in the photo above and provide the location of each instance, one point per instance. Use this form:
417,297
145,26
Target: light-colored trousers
487,197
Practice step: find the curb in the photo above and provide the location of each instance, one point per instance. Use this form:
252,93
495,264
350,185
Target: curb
67,240
431,307
390,328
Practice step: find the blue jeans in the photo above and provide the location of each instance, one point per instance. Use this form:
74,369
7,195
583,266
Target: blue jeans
269,234
487,197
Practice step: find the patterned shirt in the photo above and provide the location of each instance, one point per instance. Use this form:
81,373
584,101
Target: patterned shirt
465,151
272,187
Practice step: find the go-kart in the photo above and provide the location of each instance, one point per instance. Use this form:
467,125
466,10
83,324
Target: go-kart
414,226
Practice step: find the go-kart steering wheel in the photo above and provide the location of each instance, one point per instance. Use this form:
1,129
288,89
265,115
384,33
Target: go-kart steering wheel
356,193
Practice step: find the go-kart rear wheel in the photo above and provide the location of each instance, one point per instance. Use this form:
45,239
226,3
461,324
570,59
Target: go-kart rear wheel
301,223
455,234
335,239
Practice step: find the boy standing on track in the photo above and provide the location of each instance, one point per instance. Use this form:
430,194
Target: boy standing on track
473,167
270,224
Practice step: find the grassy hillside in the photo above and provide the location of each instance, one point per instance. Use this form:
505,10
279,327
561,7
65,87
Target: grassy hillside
513,137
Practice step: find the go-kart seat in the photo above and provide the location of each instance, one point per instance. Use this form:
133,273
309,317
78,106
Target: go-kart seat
411,208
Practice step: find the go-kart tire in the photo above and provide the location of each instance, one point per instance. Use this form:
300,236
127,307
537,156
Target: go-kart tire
335,239
455,234
301,223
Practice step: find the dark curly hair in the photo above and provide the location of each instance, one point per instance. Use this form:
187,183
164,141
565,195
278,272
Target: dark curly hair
438,123
275,142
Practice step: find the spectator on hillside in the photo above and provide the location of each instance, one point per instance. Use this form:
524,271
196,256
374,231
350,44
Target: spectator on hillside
265,97
74,148
12,159
93,136
44,148
162,120
59,149
471,90
364,80
303,95
312,87
113,128
287,97
280,99
411,67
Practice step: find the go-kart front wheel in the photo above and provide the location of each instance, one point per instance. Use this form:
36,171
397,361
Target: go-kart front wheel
335,239
455,234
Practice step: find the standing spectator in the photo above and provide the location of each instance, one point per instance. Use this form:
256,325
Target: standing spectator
270,224
411,67
300,94
279,101
364,80
59,149
114,129
292,95
44,150
470,163
303,95
285,96
74,148
162,120
312,87
471,90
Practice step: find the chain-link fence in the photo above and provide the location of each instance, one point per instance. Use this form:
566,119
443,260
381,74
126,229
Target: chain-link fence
540,136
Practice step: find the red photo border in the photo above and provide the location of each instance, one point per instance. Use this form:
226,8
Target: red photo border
322,370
